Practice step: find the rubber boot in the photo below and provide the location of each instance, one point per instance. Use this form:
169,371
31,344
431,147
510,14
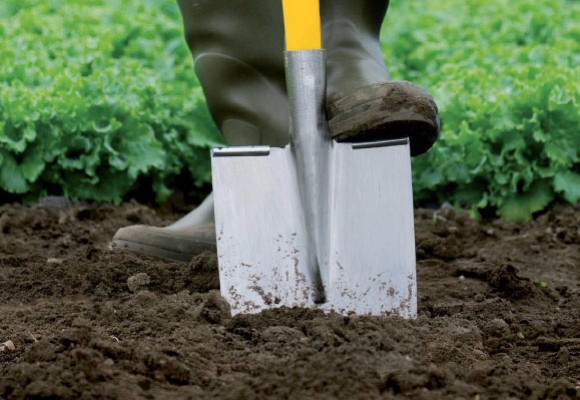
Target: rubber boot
237,48
180,241
362,103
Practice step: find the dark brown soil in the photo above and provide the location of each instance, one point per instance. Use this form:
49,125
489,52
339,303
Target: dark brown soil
499,318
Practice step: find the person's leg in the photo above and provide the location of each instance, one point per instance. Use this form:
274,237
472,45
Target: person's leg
237,46
237,50
181,241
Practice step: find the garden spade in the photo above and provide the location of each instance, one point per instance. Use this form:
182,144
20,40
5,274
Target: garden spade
317,223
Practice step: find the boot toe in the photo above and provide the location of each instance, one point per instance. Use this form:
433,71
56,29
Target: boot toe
386,110
173,245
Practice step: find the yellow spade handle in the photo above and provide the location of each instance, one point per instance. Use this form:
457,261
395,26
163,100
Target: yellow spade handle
302,24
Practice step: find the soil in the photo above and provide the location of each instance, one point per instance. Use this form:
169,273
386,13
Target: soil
499,307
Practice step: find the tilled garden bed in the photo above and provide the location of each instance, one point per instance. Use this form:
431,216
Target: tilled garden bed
499,317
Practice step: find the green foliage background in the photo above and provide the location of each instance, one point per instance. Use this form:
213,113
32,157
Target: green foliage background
98,98
506,76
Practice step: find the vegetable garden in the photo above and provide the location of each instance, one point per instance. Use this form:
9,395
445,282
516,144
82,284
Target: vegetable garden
101,100
99,105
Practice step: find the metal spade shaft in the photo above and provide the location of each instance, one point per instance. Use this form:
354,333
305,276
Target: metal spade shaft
311,145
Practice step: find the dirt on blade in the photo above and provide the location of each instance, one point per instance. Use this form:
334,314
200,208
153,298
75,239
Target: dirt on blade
499,308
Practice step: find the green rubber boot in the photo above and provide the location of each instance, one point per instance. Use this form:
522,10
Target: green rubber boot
362,103
237,49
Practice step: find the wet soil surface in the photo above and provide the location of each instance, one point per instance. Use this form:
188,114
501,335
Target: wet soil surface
499,318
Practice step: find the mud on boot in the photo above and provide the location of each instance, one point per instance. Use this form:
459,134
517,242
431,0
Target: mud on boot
387,110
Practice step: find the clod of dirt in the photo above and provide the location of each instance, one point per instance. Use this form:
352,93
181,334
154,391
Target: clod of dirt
507,280
497,327
41,351
145,298
282,334
563,355
8,345
407,379
138,281
561,389
77,336
215,309
204,272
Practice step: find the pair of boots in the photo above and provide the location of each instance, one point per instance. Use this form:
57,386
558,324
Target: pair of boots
237,46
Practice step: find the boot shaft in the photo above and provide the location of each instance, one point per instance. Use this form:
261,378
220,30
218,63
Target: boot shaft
350,34
366,15
251,31
238,45
237,50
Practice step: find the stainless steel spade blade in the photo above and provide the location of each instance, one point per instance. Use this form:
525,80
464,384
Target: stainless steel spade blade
261,236
372,238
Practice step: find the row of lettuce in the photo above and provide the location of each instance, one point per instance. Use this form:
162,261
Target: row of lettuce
98,98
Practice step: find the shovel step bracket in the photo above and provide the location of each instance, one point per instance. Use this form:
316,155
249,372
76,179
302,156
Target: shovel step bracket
239,151
380,143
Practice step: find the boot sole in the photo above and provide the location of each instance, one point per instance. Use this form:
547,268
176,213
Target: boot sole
165,254
388,110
